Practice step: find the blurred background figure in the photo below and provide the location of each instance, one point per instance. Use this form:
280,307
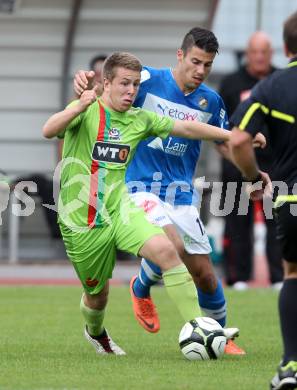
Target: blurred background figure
238,244
96,65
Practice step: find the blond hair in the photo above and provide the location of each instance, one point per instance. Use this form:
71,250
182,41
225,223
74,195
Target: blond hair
120,60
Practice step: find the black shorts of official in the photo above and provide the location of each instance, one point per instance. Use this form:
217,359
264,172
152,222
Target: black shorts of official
286,230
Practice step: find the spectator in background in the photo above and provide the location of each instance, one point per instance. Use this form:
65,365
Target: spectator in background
238,234
96,65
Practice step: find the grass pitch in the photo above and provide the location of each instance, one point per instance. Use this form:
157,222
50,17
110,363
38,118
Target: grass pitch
42,347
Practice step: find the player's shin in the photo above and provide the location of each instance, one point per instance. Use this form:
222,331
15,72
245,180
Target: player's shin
288,319
94,318
182,291
148,276
213,304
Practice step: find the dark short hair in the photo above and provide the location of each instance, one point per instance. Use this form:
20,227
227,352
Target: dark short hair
99,57
202,38
120,60
290,33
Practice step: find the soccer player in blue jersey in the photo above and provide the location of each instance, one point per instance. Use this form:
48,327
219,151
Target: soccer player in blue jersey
160,176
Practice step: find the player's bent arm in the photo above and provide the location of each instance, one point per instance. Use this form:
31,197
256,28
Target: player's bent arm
57,123
199,130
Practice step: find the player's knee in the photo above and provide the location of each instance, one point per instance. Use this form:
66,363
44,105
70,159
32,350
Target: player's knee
167,255
161,251
206,281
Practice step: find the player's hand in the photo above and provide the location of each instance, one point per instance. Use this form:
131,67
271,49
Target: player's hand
83,80
265,190
259,141
87,98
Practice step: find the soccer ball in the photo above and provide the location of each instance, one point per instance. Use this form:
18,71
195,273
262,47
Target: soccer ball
202,339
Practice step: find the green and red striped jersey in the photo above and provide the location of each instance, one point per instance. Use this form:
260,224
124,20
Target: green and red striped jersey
98,146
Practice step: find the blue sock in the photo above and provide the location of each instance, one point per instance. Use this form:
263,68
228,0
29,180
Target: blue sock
149,275
214,305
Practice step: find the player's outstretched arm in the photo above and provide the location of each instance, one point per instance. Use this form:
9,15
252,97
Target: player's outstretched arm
199,130
259,141
59,121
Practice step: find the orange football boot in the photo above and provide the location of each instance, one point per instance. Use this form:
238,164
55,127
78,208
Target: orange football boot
232,349
145,311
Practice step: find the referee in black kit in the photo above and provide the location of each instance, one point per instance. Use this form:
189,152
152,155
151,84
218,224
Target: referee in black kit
274,102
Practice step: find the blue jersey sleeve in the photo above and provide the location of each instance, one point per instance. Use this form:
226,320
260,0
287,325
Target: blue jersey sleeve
220,119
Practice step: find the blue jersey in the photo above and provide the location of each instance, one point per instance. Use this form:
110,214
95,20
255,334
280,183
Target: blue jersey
166,167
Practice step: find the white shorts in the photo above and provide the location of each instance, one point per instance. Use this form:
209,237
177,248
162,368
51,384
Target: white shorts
185,219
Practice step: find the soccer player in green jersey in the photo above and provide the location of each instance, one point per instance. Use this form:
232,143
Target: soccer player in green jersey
96,214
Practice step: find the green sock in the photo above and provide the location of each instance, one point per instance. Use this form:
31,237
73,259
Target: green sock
94,319
182,291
